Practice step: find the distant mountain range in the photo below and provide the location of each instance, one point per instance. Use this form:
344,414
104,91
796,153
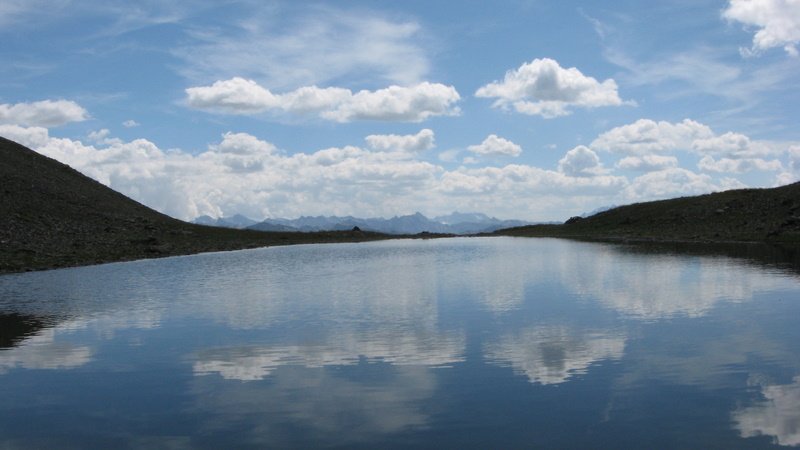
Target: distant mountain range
53,216
455,223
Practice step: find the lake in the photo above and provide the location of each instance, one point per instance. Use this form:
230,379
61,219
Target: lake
443,343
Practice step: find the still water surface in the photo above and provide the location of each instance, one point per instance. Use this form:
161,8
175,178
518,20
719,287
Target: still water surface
451,343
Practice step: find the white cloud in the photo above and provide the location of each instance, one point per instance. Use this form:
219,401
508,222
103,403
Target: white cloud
246,175
419,142
778,22
31,137
728,165
47,113
497,147
543,87
727,183
794,158
99,137
733,145
237,96
242,152
130,124
580,162
645,140
395,103
669,183
514,180
243,174
243,144
647,163
322,44
646,137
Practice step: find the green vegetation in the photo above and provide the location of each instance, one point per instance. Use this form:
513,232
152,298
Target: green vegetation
746,215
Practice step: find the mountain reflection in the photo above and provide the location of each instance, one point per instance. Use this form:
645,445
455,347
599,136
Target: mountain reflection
15,327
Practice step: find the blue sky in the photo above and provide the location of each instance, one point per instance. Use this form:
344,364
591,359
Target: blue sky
535,110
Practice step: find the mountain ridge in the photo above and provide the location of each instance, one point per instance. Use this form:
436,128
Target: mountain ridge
53,216
741,215
455,223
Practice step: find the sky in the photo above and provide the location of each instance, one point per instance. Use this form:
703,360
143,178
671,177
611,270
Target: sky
520,109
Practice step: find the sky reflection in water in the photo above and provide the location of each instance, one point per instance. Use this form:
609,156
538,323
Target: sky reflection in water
461,342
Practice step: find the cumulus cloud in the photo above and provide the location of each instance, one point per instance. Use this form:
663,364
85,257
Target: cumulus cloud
542,87
784,178
646,141
243,144
130,124
241,152
647,163
497,147
729,165
32,137
240,96
670,183
733,145
247,175
395,103
243,174
794,157
419,142
646,137
778,22
47,113
580,162
516,179
100,137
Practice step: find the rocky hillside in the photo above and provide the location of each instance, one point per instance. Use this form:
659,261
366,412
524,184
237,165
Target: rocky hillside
53,216
745,215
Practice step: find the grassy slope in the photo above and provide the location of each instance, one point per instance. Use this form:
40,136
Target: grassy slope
53,216
747,215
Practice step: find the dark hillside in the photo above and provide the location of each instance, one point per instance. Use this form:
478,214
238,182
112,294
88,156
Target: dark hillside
53,216
745,215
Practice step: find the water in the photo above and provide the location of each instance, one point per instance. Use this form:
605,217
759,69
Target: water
452,343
